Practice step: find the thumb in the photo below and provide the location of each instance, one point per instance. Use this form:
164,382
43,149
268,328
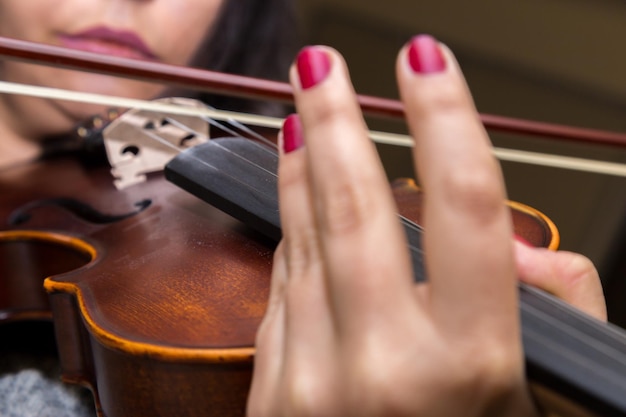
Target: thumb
569,276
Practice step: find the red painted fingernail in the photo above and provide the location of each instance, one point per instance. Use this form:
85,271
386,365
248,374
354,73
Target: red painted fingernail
313,66
292,133
425,56
524,241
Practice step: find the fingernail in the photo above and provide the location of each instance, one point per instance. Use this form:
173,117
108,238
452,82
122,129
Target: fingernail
292,133
425,56
524,241
313,66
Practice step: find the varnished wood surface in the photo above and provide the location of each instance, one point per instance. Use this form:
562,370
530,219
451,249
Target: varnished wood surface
156,313
163,318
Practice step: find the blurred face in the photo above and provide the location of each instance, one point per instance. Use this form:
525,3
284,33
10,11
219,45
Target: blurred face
168,31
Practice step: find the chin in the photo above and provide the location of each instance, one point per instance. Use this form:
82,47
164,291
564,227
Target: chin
113,86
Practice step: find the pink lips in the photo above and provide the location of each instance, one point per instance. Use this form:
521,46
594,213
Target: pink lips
109,42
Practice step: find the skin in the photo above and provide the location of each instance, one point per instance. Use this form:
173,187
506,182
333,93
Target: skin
340,340
172,29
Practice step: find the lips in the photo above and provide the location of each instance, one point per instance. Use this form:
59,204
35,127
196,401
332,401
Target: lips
107,41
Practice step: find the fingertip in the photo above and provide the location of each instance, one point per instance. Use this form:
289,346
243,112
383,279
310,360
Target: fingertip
313,65
425,56
429,78
291,136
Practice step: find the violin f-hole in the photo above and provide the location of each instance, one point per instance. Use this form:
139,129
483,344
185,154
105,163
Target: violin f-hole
77,208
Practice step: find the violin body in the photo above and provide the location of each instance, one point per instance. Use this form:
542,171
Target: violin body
157,312
155,295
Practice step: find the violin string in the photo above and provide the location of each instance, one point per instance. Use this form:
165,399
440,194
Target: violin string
242,127
406,222
512,155
162,141
184,127
224,127
409,224
248,161
271,147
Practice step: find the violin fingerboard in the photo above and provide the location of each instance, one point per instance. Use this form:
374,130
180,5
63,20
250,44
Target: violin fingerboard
238,176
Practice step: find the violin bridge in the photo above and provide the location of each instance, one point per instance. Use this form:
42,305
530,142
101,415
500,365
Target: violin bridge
142,141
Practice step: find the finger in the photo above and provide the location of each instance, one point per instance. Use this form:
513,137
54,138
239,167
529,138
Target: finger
467,227
569,276
270,342
308,324
361,239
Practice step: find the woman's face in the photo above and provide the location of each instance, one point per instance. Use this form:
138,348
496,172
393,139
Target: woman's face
168,31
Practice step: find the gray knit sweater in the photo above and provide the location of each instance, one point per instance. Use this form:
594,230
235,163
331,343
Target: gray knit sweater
30,386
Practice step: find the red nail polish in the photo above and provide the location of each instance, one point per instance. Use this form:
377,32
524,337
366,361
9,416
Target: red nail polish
292,133
425,56
524,241
313,66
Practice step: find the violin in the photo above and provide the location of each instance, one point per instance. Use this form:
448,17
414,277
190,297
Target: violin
156,295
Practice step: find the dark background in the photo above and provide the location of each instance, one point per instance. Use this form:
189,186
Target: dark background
559,61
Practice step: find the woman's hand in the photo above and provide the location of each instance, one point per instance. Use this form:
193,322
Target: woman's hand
347,332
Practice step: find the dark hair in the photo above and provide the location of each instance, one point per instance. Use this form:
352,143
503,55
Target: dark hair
257,38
